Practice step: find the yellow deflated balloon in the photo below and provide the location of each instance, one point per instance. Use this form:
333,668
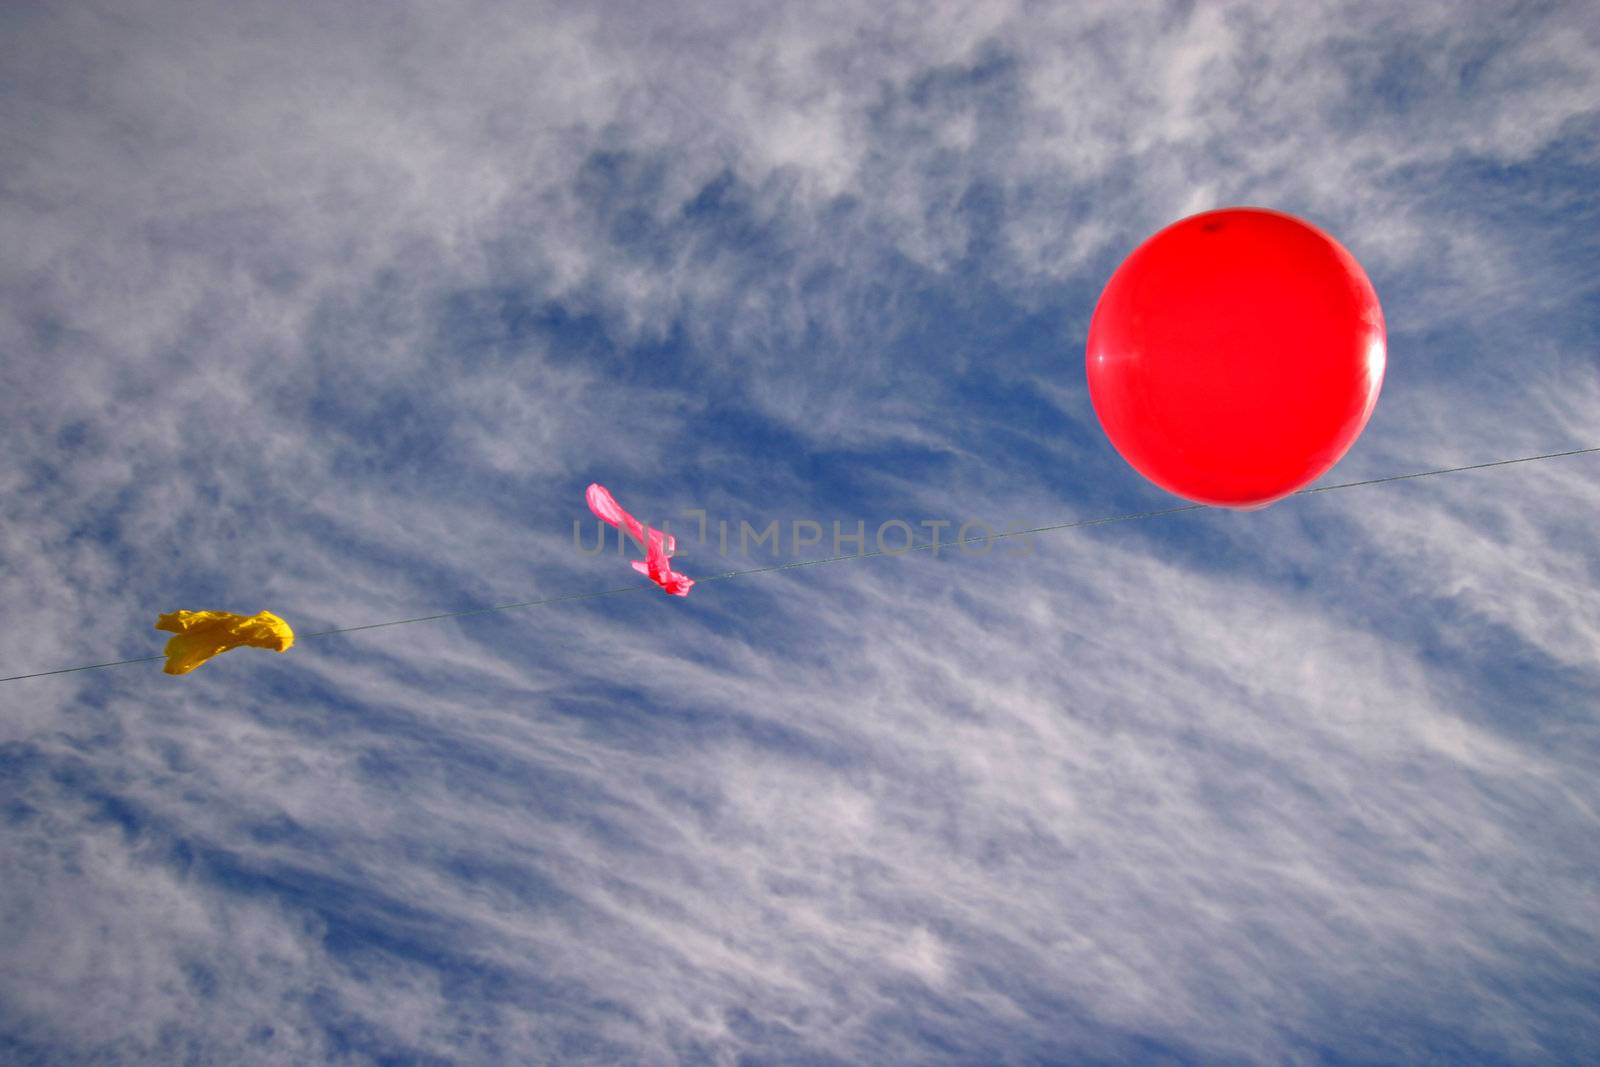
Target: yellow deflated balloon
203,634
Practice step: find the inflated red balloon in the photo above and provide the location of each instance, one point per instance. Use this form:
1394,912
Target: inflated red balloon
1235,356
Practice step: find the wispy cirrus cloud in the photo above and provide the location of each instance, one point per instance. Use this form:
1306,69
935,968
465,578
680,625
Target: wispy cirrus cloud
336,315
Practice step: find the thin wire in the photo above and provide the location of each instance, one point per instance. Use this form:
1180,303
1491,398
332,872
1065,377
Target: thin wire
1078,523
90,667
1449,470
475,611
1105,520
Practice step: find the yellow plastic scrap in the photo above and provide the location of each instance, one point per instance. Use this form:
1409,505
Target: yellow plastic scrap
203,634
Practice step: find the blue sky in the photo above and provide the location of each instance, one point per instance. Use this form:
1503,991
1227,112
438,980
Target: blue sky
336,312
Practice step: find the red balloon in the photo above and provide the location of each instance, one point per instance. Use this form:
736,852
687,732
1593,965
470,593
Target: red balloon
1236,356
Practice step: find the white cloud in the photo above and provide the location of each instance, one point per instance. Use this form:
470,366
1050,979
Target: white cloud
1001,807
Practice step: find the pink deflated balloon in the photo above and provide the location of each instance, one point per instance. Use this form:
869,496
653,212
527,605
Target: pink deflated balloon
1236,356
658,546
